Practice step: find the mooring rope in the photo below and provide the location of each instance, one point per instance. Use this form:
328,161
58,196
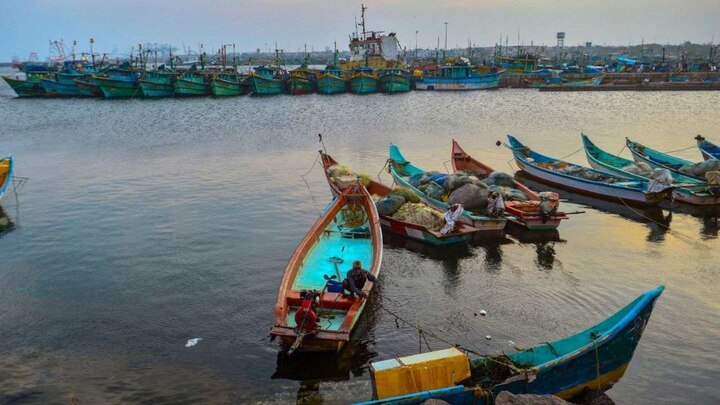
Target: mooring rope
312,196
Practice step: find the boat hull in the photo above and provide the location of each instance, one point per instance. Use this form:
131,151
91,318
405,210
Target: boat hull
190,88
224,88
300,85
395,83
25,88
118,88
55,88
262,86
487,82
155,90
364,84
7,169
328,84
88,88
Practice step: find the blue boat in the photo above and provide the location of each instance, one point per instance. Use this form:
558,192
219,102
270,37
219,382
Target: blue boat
708,149
401,170
595,359
364,80
583,180
459,76
7,167
693,191
63,85
657,159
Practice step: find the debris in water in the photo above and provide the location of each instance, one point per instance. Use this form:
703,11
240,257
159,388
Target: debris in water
511,343
488,337
192,342
483,312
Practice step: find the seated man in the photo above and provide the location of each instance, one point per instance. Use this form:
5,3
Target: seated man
356,278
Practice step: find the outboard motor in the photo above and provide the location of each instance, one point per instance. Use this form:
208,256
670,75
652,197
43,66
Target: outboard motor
306,318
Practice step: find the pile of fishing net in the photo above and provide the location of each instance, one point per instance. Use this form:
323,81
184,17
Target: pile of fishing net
342,176
699,169
391,203
578,171
660,179
420,214
639,168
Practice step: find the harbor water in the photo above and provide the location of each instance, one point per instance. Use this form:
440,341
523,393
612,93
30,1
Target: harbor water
146,223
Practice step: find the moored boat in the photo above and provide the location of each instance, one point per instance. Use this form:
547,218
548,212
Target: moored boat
267,80
708,149
311,312
31,86
394,80
657,159
192,83
457,76
463,233
119,83
158,83
693,191
62,85
594,359
332,80
364,81
584,180
89,86
7,166
228,84
535,213
401,170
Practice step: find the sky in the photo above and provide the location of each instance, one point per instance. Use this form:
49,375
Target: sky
27,25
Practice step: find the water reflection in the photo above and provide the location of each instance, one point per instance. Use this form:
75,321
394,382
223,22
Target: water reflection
6,224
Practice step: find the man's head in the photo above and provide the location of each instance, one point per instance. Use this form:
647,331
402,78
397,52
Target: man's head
357,265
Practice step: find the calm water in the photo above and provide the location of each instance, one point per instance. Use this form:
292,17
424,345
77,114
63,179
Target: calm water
145,223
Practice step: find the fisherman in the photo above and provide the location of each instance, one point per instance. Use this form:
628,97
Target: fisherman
451,217
356,278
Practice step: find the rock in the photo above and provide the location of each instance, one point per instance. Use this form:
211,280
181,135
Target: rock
506,398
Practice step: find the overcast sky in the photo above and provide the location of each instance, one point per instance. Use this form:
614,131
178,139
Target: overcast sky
27,25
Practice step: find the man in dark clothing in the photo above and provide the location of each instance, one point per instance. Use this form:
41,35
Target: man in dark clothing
356,278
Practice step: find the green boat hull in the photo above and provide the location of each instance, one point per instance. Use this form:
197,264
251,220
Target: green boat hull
300,85
25,88
364,85
118,88
190,88
89,87
263,86
154,89
331,85
395,84
224,88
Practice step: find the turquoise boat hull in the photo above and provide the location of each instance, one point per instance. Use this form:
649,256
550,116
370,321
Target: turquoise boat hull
113,88
89,87
191,88
364,85
328,84
54,88
593,359
260,86
395,83
154,89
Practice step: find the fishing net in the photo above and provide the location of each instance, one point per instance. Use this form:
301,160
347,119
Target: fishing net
470,197
713,178
492,370
408,195
549,202
420,214
500,179
417,180
456,180
433,190
390,204
699,169
640,168
338,171
508,193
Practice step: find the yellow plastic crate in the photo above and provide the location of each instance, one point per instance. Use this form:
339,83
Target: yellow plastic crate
420,372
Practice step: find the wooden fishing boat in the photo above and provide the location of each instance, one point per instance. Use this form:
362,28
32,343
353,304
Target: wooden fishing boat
88,86
119,83
192,83
689,193
158,83
594,359
228,84
708,149
7,166
302,81
364,80
529,213
394,80
459,76
267,80
348,230
401,170
654,158
30,87
62,85
407,229
583,180
332,80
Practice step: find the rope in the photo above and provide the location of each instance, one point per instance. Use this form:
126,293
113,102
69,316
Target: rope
680,150
312,196
567,156
623,148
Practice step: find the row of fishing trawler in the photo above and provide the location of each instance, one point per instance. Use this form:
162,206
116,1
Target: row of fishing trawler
319,304
374,66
